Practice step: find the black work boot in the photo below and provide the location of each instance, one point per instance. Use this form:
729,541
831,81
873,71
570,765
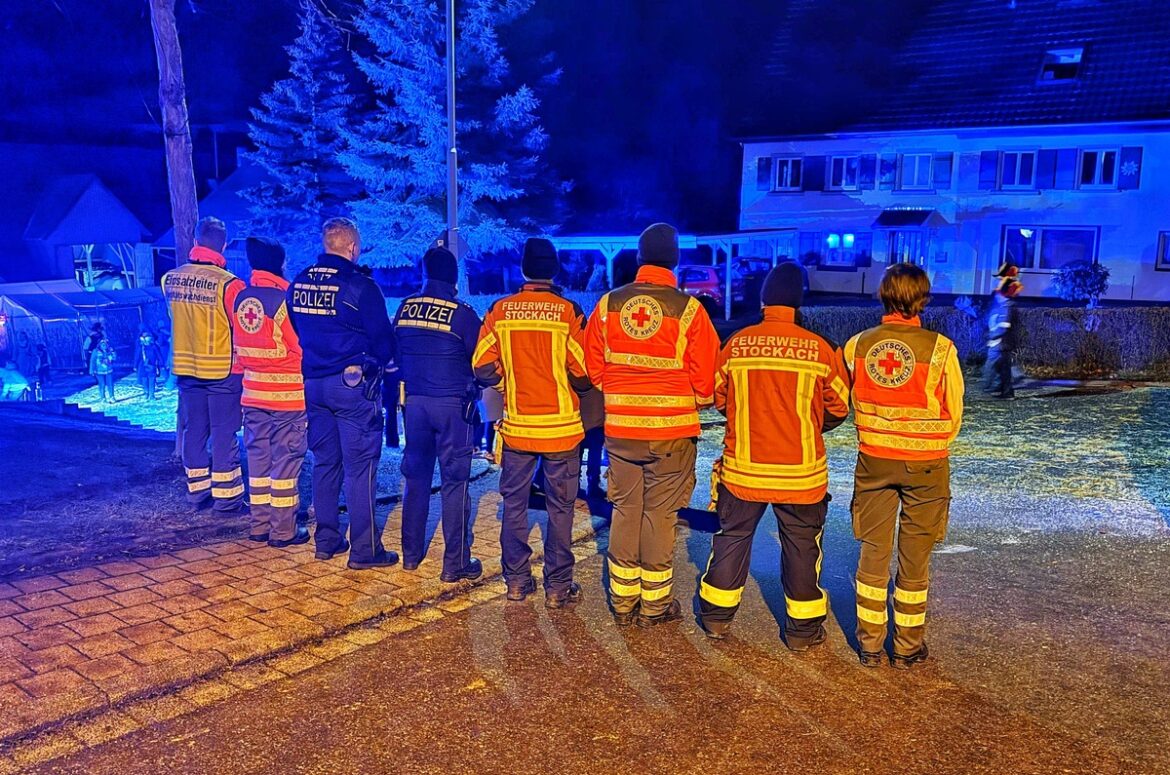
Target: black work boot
715,630
521,589
570,596
471,571
384,559
672,613
802,643
871,658
907,661
625,618
323,554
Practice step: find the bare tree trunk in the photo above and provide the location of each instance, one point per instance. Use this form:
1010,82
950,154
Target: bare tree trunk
172,97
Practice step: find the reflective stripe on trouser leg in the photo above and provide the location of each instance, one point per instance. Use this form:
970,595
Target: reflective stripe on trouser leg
875,513
289,444
196,432
625,492
926,496
801,529
258,447
226,419
909,615
669,481
723,582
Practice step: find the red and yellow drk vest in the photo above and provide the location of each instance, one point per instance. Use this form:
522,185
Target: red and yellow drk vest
533,339
267,346
201,295
650,349
775,383
907,390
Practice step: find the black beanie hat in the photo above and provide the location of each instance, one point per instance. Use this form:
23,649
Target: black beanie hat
440,264
783,287
658,246
540,261
265,255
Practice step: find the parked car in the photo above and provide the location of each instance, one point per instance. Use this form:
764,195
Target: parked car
708,284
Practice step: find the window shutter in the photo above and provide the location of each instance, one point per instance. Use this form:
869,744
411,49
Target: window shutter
1129,170
813,173
867,171
1066,168
1046,169
764,173
988,170
887,171
941,169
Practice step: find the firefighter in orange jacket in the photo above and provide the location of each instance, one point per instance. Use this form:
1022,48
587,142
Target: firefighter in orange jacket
780,386
650,349
275,423
201,295
908,407
531,346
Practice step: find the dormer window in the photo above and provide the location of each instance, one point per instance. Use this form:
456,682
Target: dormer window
1061,64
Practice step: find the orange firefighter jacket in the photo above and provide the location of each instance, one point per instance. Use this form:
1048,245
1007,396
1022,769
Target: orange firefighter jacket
651,350
907,390
530,345
267,347
202,298
780,387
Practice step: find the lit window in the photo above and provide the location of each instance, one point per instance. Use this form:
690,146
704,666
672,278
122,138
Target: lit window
833,240
1098,169
788,173
843,173
1061,64
914,169
1048,248
1018,169
836,251
847,240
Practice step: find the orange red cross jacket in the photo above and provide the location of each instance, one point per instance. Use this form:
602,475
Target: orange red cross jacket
267,347
651,349
907,390
780,387
530,345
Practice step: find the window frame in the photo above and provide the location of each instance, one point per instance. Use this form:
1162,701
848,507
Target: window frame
787,160
929,157
844,158
1019,153
1096,185
1162,252
1039,231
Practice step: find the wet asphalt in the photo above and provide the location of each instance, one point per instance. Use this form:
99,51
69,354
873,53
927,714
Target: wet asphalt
1049,655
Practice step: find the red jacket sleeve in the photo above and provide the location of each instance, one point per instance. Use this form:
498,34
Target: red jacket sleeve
702,352
595,344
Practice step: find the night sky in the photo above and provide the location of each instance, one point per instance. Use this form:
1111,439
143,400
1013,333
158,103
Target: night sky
653,97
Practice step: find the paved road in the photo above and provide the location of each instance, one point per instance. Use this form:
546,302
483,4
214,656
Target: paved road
1076,684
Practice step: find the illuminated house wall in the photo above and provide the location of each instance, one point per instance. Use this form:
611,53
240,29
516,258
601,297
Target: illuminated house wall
957,202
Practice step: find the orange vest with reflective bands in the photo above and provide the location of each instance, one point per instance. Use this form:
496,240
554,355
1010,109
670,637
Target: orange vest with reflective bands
533,339
775,382
201,294
907,390
651,349
267,346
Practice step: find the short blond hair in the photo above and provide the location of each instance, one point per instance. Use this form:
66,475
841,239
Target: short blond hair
905,289
338,234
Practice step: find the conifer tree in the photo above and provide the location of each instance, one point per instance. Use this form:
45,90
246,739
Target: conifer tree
398,151
296,131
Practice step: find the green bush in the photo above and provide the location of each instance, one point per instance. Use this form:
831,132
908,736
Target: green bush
1083,282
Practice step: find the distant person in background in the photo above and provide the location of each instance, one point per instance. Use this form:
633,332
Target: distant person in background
13,385
492,402
148,360
96,335
1003,337
43,364
162,335
101,367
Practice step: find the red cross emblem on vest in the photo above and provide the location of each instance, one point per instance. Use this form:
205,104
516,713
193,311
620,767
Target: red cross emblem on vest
250,315
641,317
890,363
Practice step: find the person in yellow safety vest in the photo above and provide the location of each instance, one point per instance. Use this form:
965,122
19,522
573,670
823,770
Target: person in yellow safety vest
908,408
201,296
780,387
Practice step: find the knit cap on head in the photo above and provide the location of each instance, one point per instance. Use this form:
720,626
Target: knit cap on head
265,255
540,261
783,287
658,246
440,264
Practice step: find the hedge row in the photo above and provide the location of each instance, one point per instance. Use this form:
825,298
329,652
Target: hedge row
1055,342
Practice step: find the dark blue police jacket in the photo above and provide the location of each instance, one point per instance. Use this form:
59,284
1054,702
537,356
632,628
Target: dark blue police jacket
340,317
436,336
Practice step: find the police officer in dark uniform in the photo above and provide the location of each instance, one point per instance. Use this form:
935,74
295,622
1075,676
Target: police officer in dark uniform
436,336
340,316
